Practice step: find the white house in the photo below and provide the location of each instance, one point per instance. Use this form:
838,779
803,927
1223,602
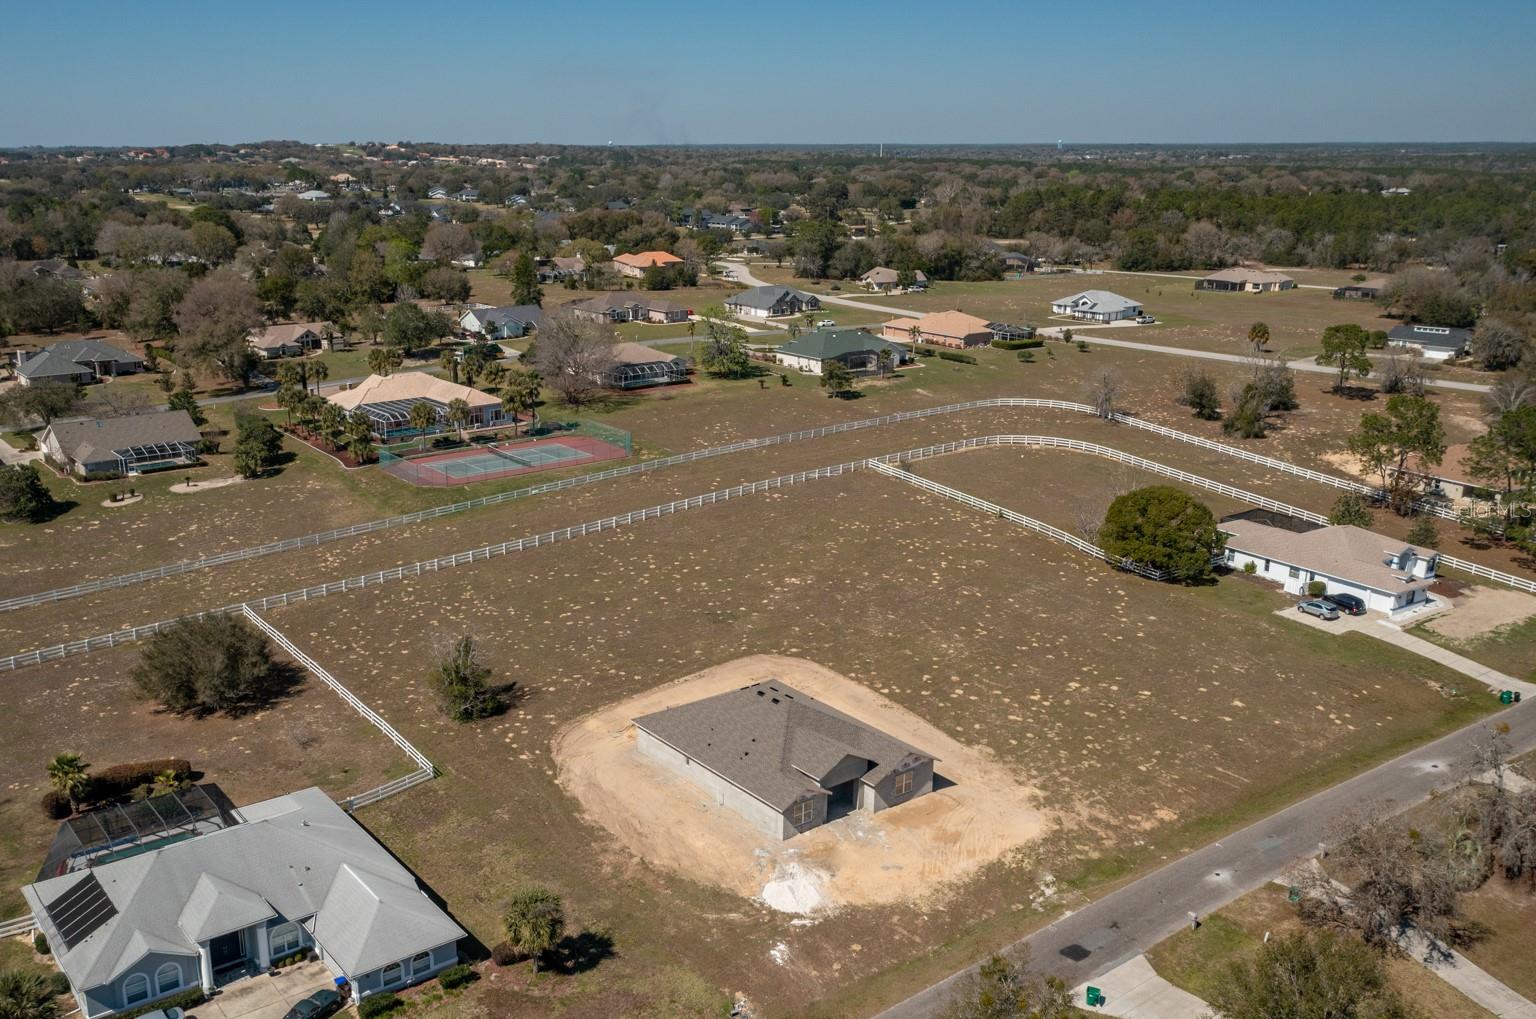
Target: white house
1436,343
1385,573
1096,306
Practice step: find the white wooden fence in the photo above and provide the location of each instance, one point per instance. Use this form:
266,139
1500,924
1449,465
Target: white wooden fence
18,926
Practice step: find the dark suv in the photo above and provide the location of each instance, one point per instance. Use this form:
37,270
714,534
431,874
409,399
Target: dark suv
1346,603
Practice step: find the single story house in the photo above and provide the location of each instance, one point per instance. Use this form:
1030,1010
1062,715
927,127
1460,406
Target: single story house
76,361
635,265
855,349
1367,290
437,191
471,261
620,306
1252,281
124,445
1387,574
58,269
467,195
881,279
638,366
314,195
505,323
387,401
771,301
781,759
289,339
559,269
1096,306
942,329
1015,261
1437,343
270,879
1450,479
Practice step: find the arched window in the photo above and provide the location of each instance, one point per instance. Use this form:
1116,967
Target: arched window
421,964
393,974
135,989
167,978
286,939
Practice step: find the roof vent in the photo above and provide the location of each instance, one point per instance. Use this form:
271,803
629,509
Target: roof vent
775,700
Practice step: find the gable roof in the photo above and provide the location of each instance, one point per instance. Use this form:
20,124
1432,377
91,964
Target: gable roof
1449,338
767,296
1099,300
523,314
822,345
619,299
770,739
409,386
1338,550
944,323
647,259
884,276
71,357
1237,274
639,353
297,856
91,440
286,333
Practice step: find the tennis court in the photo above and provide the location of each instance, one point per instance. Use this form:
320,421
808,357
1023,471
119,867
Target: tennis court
488,463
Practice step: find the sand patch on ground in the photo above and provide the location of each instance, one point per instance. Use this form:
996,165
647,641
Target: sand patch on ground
1482,609
897,854
1346,463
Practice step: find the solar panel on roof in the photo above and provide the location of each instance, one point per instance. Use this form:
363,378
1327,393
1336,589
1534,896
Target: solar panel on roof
80,912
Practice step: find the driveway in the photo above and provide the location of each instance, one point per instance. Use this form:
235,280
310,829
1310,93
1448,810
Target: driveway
264,997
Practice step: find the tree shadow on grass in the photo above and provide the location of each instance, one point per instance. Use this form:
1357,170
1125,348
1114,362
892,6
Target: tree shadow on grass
579,953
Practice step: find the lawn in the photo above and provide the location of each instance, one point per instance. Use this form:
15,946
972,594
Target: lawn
89,705
1198,960
1141,712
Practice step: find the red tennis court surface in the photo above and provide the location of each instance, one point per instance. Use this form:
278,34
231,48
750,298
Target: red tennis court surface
491,463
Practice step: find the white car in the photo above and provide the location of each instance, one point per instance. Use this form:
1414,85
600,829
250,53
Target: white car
1145,320
825,323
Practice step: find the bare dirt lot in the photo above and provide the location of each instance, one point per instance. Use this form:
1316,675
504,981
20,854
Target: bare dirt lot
1479,610
904,853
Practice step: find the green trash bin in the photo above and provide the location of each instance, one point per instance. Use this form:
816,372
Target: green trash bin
1094,996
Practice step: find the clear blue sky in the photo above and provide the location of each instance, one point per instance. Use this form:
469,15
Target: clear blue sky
591,71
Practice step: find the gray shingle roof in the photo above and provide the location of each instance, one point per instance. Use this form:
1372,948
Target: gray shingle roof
774,741
298,855
1435,337
766,296
824,344
90,440
1099,300
70,357
524,314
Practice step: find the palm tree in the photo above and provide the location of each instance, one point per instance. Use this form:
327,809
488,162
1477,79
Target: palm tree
493,375
793,330
459,415
170,781
420,417
534,921
379,361
883,361
1258,335
450,363
520,394
319,371
70,777
26,994
916,335
332,419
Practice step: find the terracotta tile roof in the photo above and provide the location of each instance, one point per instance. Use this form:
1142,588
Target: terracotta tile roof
944,323
648,259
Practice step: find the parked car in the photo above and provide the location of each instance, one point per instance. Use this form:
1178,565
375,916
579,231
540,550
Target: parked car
321,1003
1319,608
1346,603
825,323
1145,320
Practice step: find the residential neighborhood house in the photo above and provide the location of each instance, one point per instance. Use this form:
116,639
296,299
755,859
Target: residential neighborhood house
289,339
1251,281
621,306
881,279
76,361
387,400
782,760
1451,480
771,301
247,887
560,268
855,349
635,265
1387,574
1096,306
940,328
505,323
1367,290
134,444
1436,343
638,366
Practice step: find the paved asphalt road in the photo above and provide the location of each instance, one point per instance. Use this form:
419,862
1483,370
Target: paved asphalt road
1130,920
744,275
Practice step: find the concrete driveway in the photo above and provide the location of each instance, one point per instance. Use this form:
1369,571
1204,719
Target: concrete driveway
264,997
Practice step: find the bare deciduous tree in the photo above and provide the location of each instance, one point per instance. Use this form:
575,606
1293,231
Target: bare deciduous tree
1103,391
573,355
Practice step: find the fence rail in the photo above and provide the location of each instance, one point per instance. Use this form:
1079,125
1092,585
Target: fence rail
18,926
744,445
676,506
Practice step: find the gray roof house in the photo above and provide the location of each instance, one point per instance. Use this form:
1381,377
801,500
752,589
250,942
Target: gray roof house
504,323
1096,306
783,760
124,445
1437,343
77,361
285,874
771,301
855,349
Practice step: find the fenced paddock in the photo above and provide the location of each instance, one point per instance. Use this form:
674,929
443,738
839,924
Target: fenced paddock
494,462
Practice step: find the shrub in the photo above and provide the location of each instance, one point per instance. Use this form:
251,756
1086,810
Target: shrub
122,780
23,496
1250,567
504,953
56,805
457,976
1165,528
459,679
1026,356
1082,345
58,982
955,355
188,999
1316,589
40,943
216,663
383,1003
1020,344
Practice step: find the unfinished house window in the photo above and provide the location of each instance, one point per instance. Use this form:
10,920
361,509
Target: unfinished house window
903,783
802,813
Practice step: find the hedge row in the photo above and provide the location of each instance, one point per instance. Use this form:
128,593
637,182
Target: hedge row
1033,341
955,355
188,999
379,1004
122,779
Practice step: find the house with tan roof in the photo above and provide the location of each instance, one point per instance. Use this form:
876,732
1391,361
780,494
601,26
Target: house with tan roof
289,339
940,328
622,306
882,278
1250,281
636,366
635,265
386,400
782,760
1386,573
